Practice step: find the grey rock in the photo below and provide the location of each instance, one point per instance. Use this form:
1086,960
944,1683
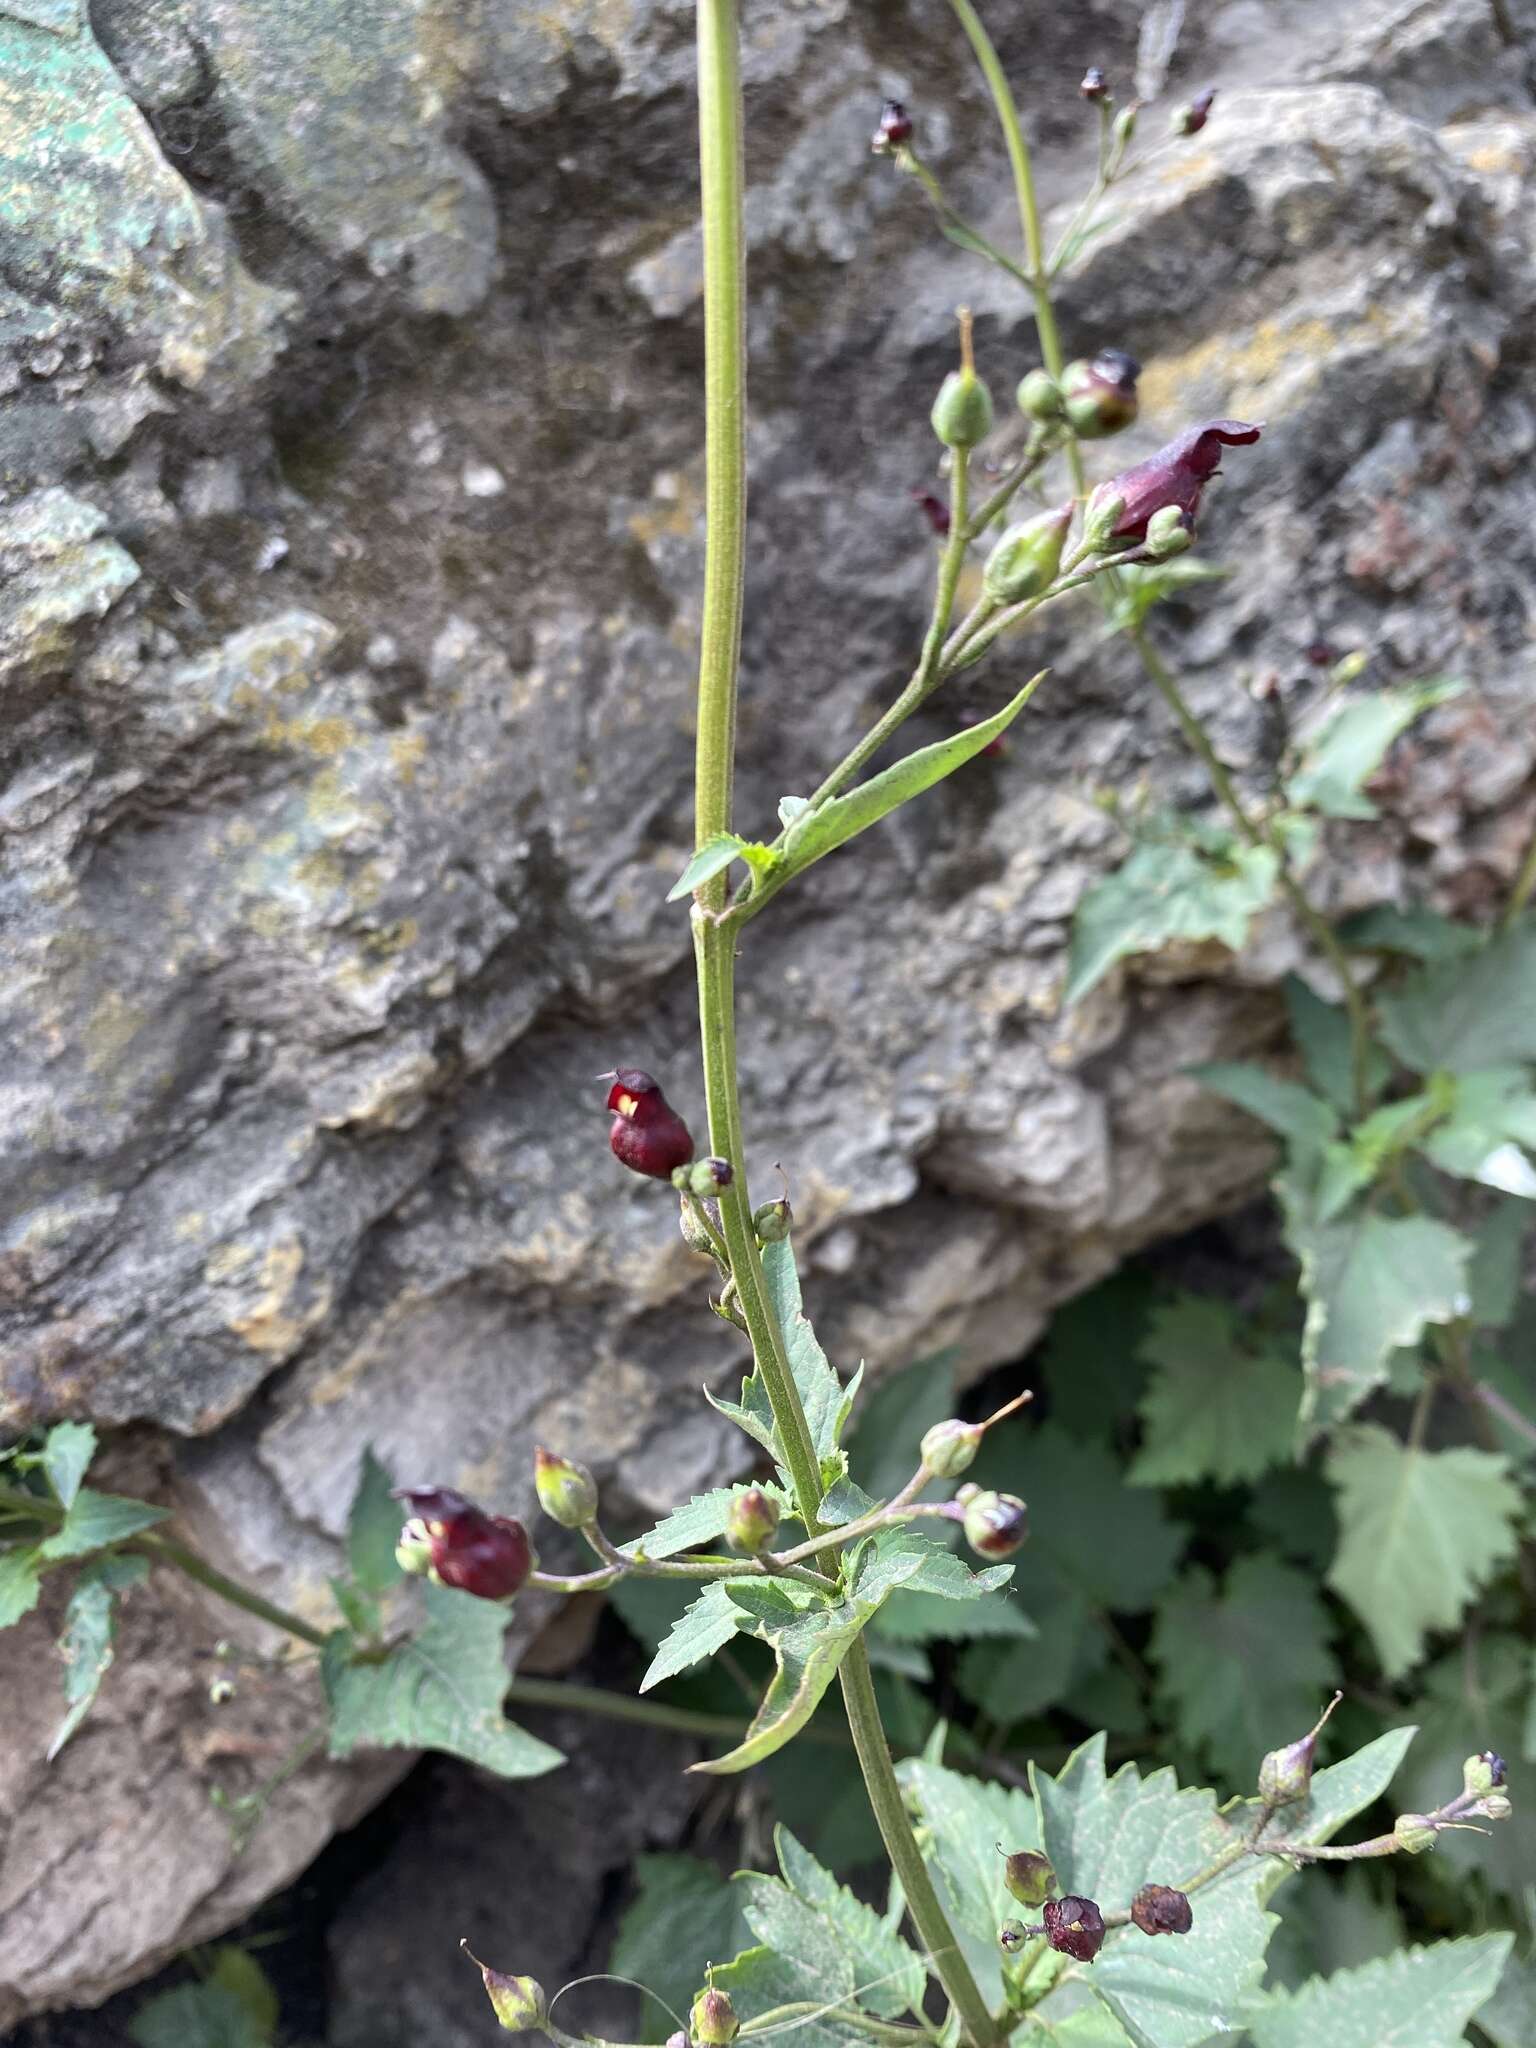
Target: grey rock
340,790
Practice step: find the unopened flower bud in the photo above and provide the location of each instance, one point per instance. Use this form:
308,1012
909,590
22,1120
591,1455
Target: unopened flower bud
1100,395
1104,512
1039,396
892,130
1159,1909
1093,86
1192,117
1497,1806
518,2002
1025,561
1168,533
1125,126
996,1524
949,1447
567,1491
1012,1935
1415,1833
1074,1926
647,1135
487,1555
713,2019
709,1177
1482,1773
962,412
753,1519
773,1221
1029,1876
413,1553
220,1691
1285,1775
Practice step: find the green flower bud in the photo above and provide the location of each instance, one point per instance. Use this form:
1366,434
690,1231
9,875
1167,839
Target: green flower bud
1029,1876
1039,396
996,1524
1415,1833
962,412
1477,1775
567,1491
949,1447
413,1553
1012,1935
1125,126
1168,533
1285,1775
713,2019
1497,1806
1105,510
773,1222
753,1519
1100,396
707,1177
1026,559
518,2002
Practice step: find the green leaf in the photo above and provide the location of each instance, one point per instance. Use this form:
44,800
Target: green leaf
1293,1509
97,1520
1491,1118
237,1971
1350,1919
820,832
86,1643
891,1979
1418,1998
1323,1038
1419,934
197,2016
21,1582
67,1452
700,1521
761,1980
440,1689
1145,584
1494,1278
1344,1790
715,855
1421,1531
1087,1359
1509,2017
1353,743
937,1570
1106,1837
1479,1011
911,1617
1301,1117
706,1625
1012,1681
1244,1670
1221,1403
1373,1284
827,1402
967,1819
1163,893
807,1651
373,1528
682,1918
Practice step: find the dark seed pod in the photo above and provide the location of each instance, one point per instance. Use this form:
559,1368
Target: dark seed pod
1074,1926
1029,1876
1159,1909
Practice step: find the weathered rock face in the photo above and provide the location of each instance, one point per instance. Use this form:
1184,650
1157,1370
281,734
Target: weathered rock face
350,547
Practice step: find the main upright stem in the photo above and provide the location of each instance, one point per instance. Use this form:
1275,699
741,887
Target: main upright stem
725,381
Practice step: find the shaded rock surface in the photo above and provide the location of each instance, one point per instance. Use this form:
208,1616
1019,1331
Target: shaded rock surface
351,540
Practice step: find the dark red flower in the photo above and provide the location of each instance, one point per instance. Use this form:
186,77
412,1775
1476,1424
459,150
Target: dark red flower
1192,118
1159,1909
647,1135
893,128
487,1555
1175,475
1075,1926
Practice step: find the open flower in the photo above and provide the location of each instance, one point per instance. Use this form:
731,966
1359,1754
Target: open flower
487,1555
1074,1926
1175,475
647,1135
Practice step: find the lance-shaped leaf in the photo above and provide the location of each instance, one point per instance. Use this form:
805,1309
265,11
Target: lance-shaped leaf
701,1520
97,1520
819,832
825,1399
704,1626
1418,1998
21,1582
67,1452
86,1643
711,859
1352,745
373,1528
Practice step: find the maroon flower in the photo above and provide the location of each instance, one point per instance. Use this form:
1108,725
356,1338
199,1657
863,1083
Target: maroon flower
1159,1909
1189,120
1075,1926
1175,475
647,1135
487,1555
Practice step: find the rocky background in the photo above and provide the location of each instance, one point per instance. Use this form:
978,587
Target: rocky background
349,557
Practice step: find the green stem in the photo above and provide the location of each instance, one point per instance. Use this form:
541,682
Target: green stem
167,1550
1525,886
563,1695
845,2015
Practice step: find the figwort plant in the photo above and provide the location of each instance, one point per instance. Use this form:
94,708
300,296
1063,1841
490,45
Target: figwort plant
1143,1905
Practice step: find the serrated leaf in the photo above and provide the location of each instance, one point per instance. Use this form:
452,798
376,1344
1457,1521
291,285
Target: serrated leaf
1420,1532
1419,934
1509,2017
97,1520
197,2016
681,1919
891,1979
760,1981
1106,1837
909,1617
441,1689
823,1943
1323,1038
1373,1285
1418,1998
373,1528
1479,1011
843,1502
826,1401
1496,1271
967,1819
1349,1920
705,1625
86,1641
1489,1122
67,1452
818,833
1354,742
1164,893
1302,1118
1087,1360
1219,1405
21,1582
1012,1681
938,1570
1243,1669
699,1521
715,855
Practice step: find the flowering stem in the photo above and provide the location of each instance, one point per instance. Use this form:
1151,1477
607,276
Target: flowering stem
166,1550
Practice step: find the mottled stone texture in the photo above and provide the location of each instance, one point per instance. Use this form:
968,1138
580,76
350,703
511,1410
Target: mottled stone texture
349,557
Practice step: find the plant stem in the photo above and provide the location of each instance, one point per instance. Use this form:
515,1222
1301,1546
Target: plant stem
562,1694
167,1550
1525,886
